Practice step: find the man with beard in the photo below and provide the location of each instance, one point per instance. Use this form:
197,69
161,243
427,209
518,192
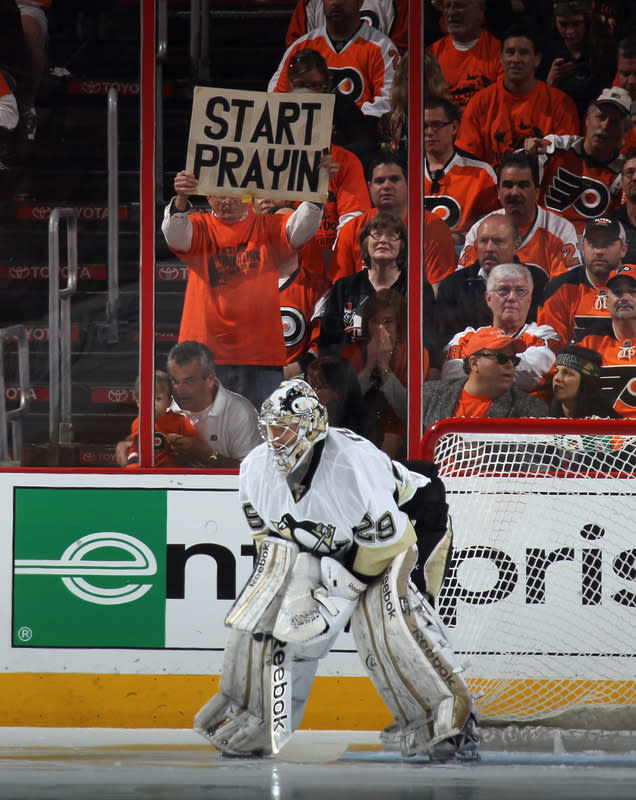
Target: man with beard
618,345
581,174
547,240
574,302
626,213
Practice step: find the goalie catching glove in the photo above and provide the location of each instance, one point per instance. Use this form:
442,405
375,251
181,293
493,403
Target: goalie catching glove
319,600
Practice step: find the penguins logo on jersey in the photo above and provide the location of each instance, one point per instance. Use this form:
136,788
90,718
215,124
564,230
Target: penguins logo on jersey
314,537
590,198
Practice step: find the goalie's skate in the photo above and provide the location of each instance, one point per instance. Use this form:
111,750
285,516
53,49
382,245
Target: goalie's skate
463,747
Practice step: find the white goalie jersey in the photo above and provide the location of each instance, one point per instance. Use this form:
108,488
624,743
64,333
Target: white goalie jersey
348,506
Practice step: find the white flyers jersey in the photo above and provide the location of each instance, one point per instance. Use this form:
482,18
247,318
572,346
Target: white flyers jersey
535,363
347,508
551,243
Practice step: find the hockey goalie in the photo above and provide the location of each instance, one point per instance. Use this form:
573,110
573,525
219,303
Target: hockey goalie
344,534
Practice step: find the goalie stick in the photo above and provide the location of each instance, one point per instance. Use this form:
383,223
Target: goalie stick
281,728
286,746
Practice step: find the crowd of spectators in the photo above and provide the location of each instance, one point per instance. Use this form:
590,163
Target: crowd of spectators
529,220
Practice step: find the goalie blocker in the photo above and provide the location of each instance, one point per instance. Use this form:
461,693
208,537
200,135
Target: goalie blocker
339,545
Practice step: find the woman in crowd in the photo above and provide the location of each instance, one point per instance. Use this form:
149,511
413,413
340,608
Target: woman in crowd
380,360
576,385
383,251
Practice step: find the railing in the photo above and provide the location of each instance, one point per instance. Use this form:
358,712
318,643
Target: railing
60,425
20,335
160,57
112,304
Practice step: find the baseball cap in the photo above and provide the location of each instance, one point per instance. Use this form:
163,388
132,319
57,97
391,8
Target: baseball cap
621,99
562,9
610,226
622,271
492,339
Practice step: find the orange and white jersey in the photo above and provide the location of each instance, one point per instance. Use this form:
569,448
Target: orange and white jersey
618,371
574,186
388,16
496,122
467,70
466,191
542,344
550,243
572,305
302,303
363,70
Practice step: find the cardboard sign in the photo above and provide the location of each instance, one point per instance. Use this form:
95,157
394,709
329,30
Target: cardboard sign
259,144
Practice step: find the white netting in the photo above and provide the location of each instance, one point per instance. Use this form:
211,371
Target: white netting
541,596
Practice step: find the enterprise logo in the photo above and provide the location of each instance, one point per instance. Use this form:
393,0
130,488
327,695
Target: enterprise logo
77,570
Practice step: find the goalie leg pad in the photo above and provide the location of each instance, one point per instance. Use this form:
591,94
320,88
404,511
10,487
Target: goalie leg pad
257,606
407,656
236,720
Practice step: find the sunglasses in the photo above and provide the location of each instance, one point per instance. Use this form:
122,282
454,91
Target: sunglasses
500,358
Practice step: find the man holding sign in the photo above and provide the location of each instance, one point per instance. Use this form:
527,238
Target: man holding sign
231,301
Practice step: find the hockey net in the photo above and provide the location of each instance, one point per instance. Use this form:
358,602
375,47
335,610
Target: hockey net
541,594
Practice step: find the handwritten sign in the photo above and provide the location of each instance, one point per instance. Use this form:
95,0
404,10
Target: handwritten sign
260,144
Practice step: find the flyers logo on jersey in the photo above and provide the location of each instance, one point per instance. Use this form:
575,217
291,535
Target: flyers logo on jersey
445,207
590,198
347,81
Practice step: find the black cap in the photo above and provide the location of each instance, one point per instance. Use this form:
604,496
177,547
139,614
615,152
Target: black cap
611,226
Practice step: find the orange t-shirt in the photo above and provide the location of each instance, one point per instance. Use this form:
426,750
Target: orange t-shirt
468,71
496,121
347,194
471,405
231,298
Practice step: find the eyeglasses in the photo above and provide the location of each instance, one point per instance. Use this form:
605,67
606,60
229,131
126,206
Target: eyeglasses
436,126
500,358
390,237
504,291
315,86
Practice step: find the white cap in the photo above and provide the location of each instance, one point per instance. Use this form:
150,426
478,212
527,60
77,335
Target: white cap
617,97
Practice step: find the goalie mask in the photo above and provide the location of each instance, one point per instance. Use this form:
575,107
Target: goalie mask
291,421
